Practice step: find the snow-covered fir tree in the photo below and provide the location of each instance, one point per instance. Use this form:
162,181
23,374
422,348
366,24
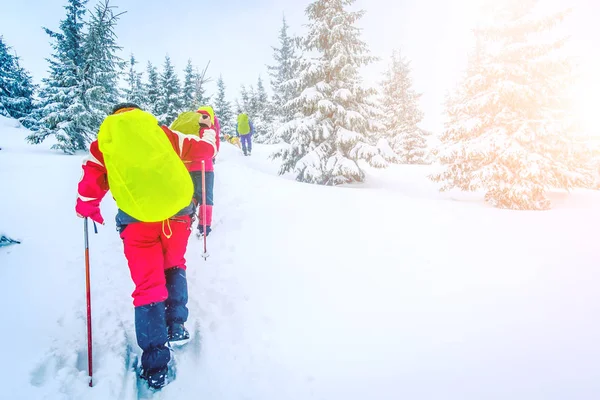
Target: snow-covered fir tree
134,91
16,88
83,82
62,107
510,129
189,87
255,103
200,80
223,109
252,107
261,113
169,104
335,127
102,66
402,116
264,108
283,73
152,90
244,104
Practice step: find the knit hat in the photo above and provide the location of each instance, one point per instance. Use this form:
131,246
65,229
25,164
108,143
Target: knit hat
207,110
122,106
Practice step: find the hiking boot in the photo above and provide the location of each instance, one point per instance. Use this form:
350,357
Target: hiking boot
156,379
201,230
178,333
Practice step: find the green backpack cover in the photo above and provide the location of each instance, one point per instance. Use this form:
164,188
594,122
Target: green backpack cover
146,176
243,124
187,123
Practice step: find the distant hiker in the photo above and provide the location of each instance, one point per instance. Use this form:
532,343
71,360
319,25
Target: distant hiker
208,123
198,124
141,163
245,130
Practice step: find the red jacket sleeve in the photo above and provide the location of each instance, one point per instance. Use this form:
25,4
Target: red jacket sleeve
192,149
93,184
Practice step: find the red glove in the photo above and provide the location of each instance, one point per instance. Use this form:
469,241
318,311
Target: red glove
89,209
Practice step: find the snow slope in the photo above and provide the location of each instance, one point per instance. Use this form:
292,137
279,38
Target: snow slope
386,290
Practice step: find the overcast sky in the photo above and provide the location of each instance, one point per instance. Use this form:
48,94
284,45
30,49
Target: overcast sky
433,34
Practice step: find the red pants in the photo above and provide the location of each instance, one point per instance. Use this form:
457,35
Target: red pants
150,248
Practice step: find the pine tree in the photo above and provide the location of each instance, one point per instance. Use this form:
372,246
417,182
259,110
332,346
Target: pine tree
510,129
238,107
283,74
188,96
152,90
245,98
261,94
200,97
102,66
223,109
402,115
265,108
134,92
252,109
335,127
261,113
169,105
16,88
61,98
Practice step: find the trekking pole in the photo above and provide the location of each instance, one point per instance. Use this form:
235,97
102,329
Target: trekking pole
88,295
205,254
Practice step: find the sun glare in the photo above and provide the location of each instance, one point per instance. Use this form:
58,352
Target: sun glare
586,103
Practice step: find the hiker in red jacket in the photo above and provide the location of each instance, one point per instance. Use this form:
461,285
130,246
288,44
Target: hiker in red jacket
155,251
209,125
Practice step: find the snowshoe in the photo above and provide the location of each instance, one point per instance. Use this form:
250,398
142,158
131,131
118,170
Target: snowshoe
178,335
156,379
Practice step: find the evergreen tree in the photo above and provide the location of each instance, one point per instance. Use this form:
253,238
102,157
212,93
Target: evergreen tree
245,105
152,90
252,109
102,66
510,129
402,115
169,104
263,104
62,109
238,107
200,97
16,88
223,109
261,113
283,74
134,92
335,126
188,96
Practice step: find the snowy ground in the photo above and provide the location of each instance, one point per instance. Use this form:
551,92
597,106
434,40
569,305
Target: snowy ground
386,290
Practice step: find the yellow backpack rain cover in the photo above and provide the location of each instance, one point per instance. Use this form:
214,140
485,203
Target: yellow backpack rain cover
243,124
146,176
187,123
